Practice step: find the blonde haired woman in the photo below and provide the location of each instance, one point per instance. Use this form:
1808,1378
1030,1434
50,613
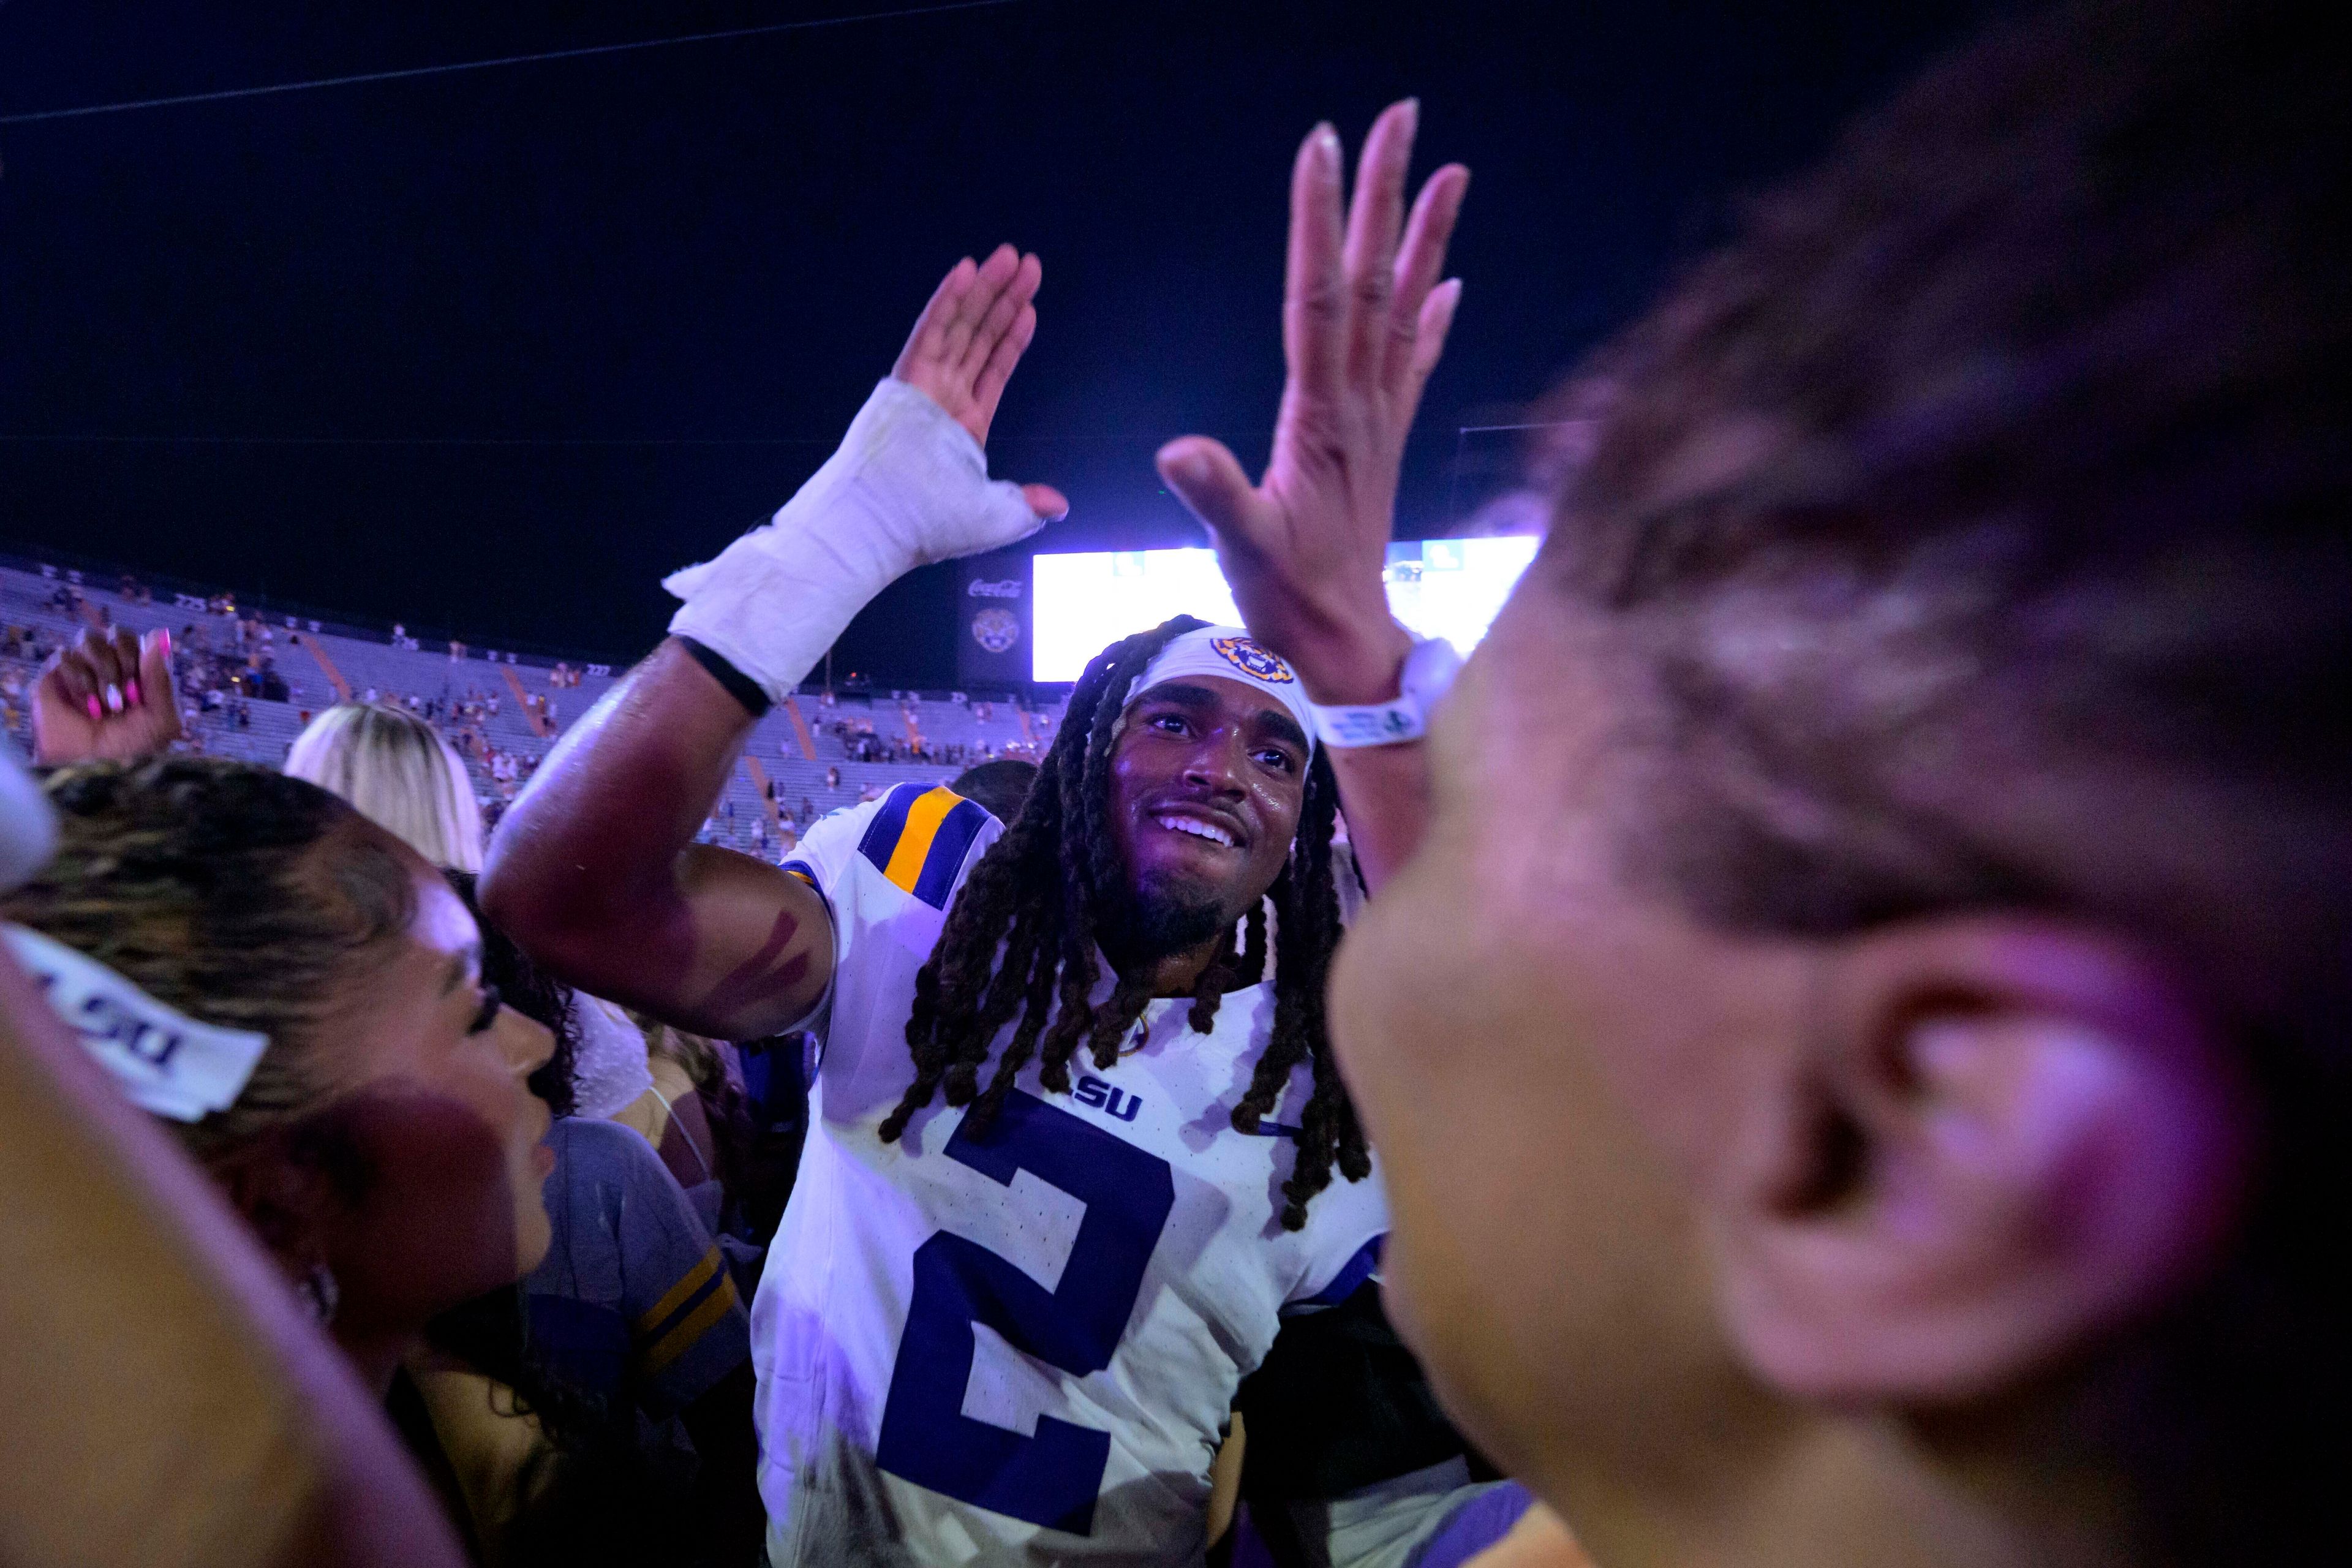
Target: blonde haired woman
401,774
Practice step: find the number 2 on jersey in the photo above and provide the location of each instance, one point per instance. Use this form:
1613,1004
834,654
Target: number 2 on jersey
1054,1478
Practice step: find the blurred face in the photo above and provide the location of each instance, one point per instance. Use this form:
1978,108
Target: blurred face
448,1137
1545,1060
1206,782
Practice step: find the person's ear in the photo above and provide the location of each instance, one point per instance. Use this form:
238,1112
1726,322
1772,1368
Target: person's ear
288,1200
2000,1139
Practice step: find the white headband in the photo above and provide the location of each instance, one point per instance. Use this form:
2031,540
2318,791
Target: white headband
166,1062
1229,652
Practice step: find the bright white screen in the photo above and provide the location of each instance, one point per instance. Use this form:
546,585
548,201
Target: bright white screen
1448,588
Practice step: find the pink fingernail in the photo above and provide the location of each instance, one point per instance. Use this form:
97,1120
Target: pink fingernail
93,708
130,690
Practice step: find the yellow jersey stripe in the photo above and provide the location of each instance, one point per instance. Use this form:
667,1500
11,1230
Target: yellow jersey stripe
923,820
696,1279
690,1330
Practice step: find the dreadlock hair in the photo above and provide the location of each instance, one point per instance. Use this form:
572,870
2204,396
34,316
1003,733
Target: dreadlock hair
1020,939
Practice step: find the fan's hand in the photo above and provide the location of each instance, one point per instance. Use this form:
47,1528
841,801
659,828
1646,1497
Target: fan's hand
1364,320
106,697
968,338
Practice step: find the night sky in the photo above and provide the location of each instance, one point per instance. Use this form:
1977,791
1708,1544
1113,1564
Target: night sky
492,350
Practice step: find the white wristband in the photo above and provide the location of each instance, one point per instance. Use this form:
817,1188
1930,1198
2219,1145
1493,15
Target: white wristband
908,486
1428,674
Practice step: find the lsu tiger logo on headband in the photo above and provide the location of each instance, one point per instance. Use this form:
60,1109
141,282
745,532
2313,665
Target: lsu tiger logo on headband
1253,660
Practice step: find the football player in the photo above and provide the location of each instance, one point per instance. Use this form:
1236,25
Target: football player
1077,1123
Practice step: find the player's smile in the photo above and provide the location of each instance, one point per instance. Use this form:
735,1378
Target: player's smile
1210,824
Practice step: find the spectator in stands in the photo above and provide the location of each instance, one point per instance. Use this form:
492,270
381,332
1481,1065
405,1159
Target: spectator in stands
12,693
1001,786
832,778
398,771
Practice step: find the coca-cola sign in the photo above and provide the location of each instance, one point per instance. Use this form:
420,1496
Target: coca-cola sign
980,588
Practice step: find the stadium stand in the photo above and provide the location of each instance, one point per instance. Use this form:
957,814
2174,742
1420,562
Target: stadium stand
249,684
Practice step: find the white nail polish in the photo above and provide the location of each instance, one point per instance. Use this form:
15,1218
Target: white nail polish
113,698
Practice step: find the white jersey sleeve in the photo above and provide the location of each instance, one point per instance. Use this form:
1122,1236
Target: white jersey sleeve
918,842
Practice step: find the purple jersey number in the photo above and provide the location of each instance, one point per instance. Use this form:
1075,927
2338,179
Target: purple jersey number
1054,1478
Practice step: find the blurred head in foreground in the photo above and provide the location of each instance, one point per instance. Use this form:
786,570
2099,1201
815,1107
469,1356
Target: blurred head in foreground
1860,1059
402,776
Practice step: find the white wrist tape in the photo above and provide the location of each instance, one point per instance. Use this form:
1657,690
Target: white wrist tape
909,486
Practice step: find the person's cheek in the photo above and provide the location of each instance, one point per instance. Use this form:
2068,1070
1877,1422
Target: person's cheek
1372,1017
438,1222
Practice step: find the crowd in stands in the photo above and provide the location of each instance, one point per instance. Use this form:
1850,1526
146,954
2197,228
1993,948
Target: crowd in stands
1824,1043
860,743
248,687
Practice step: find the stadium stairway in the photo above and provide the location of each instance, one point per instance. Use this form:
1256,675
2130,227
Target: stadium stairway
539,726
316,649
800,729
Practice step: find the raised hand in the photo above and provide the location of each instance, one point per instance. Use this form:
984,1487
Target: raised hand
106,697
967,342
1364,320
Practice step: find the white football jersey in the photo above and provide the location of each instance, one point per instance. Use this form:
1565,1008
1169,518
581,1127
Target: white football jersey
1019,1344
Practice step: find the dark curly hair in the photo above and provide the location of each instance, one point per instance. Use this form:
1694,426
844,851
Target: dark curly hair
1021,937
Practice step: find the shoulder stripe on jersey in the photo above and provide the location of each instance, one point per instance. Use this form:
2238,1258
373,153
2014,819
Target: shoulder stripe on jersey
953,842
919,838
889,824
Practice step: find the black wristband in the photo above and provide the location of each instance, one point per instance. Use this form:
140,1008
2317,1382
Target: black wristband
739,686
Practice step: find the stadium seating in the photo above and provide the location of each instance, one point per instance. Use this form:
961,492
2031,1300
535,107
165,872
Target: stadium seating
954,732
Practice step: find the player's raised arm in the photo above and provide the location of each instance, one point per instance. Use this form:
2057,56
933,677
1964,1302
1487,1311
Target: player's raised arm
595,869
1364,321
